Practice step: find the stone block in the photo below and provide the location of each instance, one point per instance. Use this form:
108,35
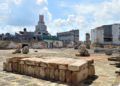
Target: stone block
30,70
42,72
62,75
43,64
15,59
56,74
20,68
53,65
68,76
25,69
52,75
76,66
7,67
57,69
63,63
77,54
63,67
91,70
47,73
77,77
37,72
15,67
4,66
28,62
90,61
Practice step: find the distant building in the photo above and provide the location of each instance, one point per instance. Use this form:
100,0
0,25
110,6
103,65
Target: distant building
39,38
24,36
106,34
39,34
41,28
69,38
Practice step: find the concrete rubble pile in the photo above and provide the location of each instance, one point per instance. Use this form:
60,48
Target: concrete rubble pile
82,51
18,50
25,50
57,69
116,59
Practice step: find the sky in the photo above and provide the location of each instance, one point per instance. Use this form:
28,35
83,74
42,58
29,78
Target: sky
60,15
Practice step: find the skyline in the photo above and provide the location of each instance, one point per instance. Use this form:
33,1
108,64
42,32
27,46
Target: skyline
60,15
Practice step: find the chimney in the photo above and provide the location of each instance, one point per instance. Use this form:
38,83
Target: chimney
25,30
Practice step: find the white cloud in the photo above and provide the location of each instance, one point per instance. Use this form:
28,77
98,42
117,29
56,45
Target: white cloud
17,2
40,2
60,25
4,11
103,13
88,16
12,29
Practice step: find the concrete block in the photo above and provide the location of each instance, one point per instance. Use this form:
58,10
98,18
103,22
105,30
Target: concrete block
56,74
77,77
37,72
42,72
4,66
91,70
52,75
47,73
15,67
68,76
76,66
30,70
43,64
25,69
62,75
8,67
63,67
53,65
20,68
28,62
57,69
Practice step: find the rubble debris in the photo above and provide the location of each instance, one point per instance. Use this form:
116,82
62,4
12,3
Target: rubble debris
57,69
99,50
82,51
35,51
115,58
25,50
18,50
118,72
108,52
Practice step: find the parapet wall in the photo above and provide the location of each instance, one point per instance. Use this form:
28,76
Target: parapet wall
57,69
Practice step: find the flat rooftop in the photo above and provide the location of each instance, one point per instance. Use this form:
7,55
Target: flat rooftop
105,73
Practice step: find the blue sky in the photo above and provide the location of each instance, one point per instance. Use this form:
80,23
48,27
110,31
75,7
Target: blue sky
60,15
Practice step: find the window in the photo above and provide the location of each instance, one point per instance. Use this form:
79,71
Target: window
108,39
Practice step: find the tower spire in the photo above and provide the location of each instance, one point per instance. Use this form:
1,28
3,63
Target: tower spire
41,19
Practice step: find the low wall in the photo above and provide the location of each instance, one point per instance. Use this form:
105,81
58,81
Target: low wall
57,69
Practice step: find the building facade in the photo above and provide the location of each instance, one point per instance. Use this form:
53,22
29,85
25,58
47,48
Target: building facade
106,34
69,38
